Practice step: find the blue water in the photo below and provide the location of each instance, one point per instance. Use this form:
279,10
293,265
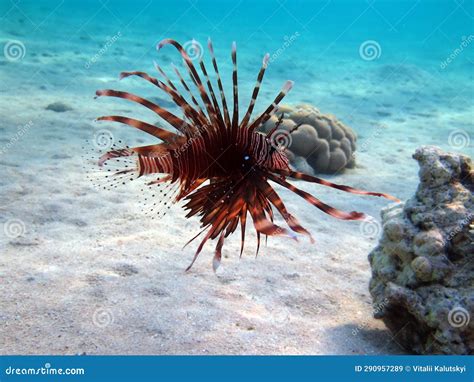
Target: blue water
399,73
413,41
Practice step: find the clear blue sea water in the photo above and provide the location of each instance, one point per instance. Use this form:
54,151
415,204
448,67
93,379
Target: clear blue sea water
365,61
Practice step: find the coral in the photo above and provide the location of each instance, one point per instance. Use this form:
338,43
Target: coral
422,269
320,143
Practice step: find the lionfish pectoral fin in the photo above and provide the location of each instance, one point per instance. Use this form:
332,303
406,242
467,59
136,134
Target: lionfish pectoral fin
353,215
193,238
258,244
216,261
215,228
275,199
243,220
198,251
313,179
266,227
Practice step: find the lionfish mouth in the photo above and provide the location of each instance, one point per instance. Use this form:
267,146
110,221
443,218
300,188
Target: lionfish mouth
222,166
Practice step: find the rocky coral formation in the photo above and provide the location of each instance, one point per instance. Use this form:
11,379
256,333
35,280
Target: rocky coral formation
320,142
423,270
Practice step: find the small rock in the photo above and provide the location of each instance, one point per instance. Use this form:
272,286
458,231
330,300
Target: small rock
422,268
58,107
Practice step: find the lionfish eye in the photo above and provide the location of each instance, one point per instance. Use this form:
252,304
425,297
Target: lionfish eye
246,157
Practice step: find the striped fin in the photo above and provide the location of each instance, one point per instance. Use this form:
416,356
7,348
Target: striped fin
109,170
265,226
193,99
167,136
265,116
292,222
243,220
256,89
313,179
152,152
216,261
354,215
172,119
155,164
277,125
232,225
167,79
258,244
219,84
187,109
112,154
193,74
211,92
235,114
209,234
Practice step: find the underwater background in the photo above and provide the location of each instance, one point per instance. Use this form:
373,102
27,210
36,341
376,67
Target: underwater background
83,270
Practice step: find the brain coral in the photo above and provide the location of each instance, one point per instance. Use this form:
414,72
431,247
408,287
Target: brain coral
320,141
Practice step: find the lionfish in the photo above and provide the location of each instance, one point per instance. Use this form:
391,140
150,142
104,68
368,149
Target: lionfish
222,165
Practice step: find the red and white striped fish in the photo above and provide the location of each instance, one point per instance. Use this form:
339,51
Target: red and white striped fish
223,168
